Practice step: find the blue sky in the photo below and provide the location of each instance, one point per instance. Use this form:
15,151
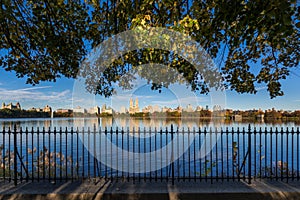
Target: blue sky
60,94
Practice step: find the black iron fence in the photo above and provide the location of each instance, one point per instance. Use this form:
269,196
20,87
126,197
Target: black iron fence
208,154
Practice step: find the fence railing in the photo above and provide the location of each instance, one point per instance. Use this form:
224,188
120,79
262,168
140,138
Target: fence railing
150,154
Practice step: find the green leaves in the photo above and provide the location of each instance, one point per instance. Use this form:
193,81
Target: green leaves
45,40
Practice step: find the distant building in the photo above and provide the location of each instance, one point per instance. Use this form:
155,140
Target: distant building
11,106
35,109
94,110
166,109
199,108
123,110
78,109
178,109
217,108
189,108
106,110
60,110
147,109
47,109
156,108
134,106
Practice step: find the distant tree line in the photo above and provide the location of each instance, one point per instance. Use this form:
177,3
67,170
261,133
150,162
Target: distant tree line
8,113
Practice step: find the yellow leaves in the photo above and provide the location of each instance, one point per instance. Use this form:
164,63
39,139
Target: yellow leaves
141,20
147,17
188,23
60,2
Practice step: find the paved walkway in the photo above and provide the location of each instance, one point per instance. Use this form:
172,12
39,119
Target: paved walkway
101,189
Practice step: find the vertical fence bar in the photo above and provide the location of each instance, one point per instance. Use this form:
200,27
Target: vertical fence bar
276,154
101,149
111,159
9,154
266,152
145,161
211,155
161,170
55,153
72,154
3,153
238,152
200,165
139,147
38,154
32,154
189,154
122,153
26,150
260,156
128,175
194,136
77,152
15,156
178,156
255,173
88,154
271,152
155,148
244,153
222,156
21,154
281,156
249,155
60,154
298,168
44,151
293,153
83,163
217,162
167,167
133,150
117,154
232,153
49,154
227,154
133,157
66,157
172,157
287,154
205,161
150,150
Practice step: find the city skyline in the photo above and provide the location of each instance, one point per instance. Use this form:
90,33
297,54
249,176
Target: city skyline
59,95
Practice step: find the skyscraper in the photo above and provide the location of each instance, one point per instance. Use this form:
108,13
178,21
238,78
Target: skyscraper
134,106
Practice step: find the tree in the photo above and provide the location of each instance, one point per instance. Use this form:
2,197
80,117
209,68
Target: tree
44,40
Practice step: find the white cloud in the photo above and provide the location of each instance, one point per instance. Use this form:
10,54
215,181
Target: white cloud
35,88
261,88
33,94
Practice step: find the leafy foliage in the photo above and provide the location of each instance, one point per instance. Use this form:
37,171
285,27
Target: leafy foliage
45,40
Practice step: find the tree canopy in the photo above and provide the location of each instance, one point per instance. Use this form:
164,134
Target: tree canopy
253,41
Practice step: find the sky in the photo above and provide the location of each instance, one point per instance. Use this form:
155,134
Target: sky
62,94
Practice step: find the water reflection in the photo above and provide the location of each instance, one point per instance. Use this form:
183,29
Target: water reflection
129,122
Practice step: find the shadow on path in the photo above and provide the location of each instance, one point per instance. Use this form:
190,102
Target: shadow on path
104,189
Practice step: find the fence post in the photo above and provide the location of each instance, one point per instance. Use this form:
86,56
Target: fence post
15,155
249,154
172,132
